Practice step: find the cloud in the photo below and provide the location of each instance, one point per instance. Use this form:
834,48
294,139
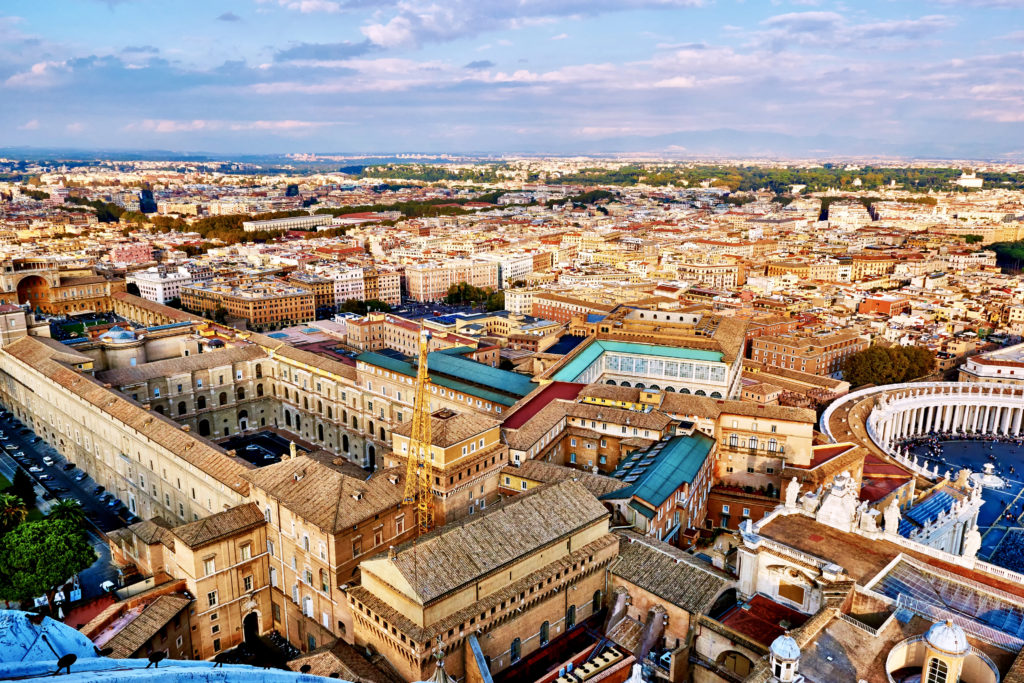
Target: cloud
30,125
415,22
39,75
171,126
480,64
324,51
229,16
140,49
75,127
560,36
834,30
312,6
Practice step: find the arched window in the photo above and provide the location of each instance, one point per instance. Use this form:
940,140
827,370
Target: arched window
369,427
201,403
516,651
716,394
320,432
773,445
159,409
344,442
752,442
597,601
287,418
355,422
298,423
223,398
700,392
240,393
259,370
305,402
937,671
330,413
570,617
182,408
382,435
734,440
320,406
204,428
259,389
545,633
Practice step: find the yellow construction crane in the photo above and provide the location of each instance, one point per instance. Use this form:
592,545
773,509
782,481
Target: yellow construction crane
418,472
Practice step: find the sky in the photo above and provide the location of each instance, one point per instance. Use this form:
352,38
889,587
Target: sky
778,77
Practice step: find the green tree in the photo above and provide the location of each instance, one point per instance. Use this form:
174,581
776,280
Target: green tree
220,314
38,557
23,487
496,301
12,512
973,239
68,509
888,365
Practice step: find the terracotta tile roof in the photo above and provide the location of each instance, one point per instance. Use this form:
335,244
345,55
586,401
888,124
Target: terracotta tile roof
332,496
219,525
461,553
139,630
343,659
550,473
704,406
154,307
669,573
120,377
654,419
448,427
162,431
156,530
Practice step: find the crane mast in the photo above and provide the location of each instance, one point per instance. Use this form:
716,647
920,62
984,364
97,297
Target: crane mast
418,473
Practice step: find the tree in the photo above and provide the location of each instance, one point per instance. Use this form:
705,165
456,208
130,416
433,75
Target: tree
68,509
973,239
38,557
496,301
23,487
888,365
12,512
220,315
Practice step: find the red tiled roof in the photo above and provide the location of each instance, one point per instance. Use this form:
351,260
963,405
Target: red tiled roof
762,620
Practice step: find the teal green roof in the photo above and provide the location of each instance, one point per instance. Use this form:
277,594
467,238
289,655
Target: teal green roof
585,358
438,378
654,474
475,372
642,509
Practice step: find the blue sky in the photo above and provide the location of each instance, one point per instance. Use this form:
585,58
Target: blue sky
253,76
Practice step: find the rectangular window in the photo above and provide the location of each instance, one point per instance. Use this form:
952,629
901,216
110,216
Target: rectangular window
246,552
247,583
209,566
725,509
357,547
211,599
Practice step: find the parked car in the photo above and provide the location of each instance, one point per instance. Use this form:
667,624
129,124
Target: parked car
59,489
35,468
68,466
10,447
80,476
48,461
113,503
19,454
98,490
45,477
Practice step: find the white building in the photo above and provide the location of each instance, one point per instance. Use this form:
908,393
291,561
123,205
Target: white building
159,284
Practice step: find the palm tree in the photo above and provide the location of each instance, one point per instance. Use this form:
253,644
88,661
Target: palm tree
12,512
68,509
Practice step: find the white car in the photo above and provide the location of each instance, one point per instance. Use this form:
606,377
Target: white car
48,460
35,468
80,476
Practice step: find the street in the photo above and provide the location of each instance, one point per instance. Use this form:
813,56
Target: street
62,485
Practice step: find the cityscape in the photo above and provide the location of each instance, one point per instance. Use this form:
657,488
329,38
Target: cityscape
412,373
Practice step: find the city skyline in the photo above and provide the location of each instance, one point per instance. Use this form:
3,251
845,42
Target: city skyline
680,77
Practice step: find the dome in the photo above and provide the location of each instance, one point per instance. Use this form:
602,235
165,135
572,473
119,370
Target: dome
948,638
785,648
118,334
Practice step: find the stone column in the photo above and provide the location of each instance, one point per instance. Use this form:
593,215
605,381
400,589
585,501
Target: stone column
1017,420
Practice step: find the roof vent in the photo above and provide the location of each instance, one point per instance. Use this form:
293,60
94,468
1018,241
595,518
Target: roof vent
298,475
358,495
393,478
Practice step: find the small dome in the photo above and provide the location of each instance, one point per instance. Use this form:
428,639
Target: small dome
785,648
948,638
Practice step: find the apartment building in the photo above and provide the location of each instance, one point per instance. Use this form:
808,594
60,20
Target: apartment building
382,285
262,304
564,308
430,281
294,223
819,355
160,284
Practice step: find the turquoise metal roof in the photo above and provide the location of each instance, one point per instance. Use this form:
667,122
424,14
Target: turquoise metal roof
406,368
654,474
475,372
583,360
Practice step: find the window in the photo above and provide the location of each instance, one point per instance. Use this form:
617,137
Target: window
215,628
247,583
545,629
725,509
216,644
399,524
211,599
516,650
937,671
357,547
570,617
209,566
746,512
523,485
273,577
246,552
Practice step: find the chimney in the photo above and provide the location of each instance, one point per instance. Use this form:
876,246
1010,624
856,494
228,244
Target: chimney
292,450
391,553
